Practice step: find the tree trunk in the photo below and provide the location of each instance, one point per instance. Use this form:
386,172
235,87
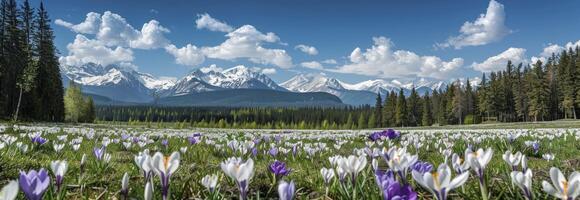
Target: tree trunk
18,105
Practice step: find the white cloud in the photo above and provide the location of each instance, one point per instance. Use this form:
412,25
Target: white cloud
89,26
212,67
499,62
268,71
246,42
312,65
310,50
206,21
330,61
189,55
84,50
489,27
554,49
113,30
382,61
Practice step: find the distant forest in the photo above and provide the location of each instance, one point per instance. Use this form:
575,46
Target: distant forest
522,93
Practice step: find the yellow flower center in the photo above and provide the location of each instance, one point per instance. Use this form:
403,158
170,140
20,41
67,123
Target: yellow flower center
565,187
436,180
166,162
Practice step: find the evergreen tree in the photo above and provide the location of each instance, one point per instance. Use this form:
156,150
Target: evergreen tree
458,102
538,94
426,119
378,115
49,85
361,121
413,108
401,110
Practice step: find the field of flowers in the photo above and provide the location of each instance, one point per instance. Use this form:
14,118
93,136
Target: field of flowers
90,162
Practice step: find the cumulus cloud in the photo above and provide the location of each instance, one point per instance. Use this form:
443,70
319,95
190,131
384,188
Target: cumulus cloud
113,30
246,42
310,50
212,67
84,50
498,62
489,27
189,55
312,65
553,49
381,60
206,21
89,26
268,71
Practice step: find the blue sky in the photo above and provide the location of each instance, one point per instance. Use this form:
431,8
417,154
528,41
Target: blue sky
396,39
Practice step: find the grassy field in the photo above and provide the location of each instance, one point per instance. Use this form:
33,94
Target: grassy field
304,153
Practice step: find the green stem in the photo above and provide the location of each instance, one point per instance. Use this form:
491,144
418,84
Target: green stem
483,188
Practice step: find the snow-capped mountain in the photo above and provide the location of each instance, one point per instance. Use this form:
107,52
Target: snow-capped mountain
114,81
358,93
322,83
238,77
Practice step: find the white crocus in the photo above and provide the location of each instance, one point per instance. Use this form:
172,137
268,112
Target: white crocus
9,191
478,161
125,185
548,156
164,167
459,164
523,181
240,171
210,182
513,160
353,164
439,183
59,169
148,191
566,189
327,175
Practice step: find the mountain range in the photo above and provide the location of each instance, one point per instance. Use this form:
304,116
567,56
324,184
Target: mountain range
237,86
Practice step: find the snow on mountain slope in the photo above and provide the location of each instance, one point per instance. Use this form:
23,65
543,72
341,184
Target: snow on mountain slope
312,83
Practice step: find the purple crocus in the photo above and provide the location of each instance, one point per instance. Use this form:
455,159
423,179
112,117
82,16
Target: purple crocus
165,142
536,147
392,189
279,169
254,152
38,140
99,152
375,136
192,140
273,151
391,133
422,167
34,183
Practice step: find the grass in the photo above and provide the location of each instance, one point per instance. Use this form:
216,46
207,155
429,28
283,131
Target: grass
202,159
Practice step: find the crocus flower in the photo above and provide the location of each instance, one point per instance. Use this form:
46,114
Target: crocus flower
59,169
327,175
536,147
143,161
478,160
9,191
523,181
392,134
148,191
399,160
164,167
210,182
422,167
279,169
286,190
513,160
273,151
391,189
99,152
33,184
561,188
82,164
165,142
374,136
548,156
240,171
439,183
353,165
458,164
38,140
125,185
